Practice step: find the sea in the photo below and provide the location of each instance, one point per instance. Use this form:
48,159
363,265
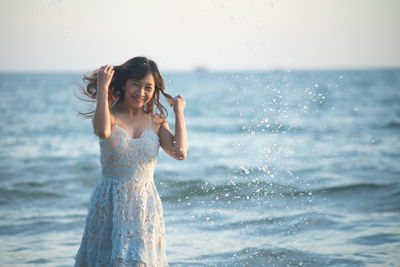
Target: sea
284,168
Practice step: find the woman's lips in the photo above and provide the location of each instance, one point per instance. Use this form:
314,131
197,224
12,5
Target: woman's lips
138,99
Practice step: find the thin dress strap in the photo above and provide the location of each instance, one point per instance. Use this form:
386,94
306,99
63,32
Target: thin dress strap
151,122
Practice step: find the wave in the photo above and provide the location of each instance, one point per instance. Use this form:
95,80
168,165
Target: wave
269,256
181,191
8,196
35,224
392,125
376,239
287,224
353,188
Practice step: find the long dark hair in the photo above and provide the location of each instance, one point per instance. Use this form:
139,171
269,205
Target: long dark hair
135,68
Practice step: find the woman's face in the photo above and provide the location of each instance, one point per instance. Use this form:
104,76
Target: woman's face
139,92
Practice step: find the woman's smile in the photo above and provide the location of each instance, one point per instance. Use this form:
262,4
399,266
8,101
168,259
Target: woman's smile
138,99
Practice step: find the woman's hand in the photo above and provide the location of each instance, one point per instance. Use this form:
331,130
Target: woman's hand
179,104
103,119
104,77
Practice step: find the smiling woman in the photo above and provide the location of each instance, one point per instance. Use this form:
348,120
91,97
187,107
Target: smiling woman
125,224
130,73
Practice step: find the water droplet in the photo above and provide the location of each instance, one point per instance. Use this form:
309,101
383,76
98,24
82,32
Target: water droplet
244,169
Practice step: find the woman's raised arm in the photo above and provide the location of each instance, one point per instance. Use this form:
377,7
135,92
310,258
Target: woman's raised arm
175,145
102,119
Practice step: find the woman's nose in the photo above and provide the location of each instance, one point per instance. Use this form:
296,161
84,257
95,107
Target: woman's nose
140,90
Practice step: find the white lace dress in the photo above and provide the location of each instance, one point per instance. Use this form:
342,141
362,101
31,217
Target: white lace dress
124,224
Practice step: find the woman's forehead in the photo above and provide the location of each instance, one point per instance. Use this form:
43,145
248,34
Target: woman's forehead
148,79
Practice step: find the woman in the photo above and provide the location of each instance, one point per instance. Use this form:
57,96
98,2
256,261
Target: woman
125,225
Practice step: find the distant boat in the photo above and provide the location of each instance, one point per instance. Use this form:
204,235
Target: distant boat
279,69
201,69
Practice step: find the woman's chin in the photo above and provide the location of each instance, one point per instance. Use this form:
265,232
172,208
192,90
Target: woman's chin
135,105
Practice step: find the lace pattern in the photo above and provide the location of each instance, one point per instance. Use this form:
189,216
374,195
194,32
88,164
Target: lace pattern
125,225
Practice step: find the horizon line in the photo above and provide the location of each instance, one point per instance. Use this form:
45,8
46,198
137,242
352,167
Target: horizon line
202,69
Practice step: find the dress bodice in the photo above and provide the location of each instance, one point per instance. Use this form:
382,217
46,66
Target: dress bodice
124,157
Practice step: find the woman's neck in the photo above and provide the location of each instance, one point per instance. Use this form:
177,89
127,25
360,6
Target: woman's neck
131,112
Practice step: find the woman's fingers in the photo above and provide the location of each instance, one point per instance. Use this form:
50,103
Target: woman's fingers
179,103
179,98
109,68
104,76
106,69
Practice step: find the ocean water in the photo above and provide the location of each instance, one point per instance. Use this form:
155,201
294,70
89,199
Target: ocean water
283,169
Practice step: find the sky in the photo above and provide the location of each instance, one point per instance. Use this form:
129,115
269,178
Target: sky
182,35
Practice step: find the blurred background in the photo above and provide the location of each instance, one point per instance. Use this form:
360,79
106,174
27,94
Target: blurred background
292,116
